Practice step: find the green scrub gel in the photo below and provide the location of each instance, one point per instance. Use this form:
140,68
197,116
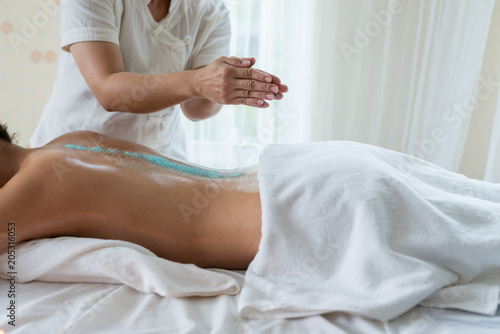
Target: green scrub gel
160,161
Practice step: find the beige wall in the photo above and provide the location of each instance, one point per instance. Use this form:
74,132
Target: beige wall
29,39
481,127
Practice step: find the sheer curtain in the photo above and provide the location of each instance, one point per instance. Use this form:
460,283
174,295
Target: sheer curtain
398,74
482,153
419,77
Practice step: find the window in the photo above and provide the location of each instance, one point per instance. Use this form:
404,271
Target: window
236,136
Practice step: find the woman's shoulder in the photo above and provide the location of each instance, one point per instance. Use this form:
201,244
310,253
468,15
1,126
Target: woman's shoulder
78,137
205,7
94,141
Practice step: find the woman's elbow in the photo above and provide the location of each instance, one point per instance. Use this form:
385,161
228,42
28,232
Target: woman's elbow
197,110
194,116
107,107
108,102
113,101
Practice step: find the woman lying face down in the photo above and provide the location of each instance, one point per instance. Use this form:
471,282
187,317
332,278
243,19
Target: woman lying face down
84,184
345,226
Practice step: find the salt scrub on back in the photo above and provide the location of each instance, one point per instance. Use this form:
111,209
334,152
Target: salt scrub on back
160,161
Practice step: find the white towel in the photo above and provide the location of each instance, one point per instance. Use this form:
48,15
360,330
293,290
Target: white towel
67,259
360,229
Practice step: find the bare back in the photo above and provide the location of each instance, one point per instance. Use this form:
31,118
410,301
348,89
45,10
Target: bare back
89,185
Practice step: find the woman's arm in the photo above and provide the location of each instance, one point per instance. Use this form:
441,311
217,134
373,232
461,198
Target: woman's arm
224,81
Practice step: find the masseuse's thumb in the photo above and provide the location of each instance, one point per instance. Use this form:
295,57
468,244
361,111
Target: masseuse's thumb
238,62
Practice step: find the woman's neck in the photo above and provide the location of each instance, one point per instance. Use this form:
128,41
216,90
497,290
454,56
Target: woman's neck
159,9
11,158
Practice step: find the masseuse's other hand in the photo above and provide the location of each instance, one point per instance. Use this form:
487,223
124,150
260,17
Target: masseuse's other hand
233,81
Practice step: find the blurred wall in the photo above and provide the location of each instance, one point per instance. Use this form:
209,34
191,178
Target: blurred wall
482,136
29,50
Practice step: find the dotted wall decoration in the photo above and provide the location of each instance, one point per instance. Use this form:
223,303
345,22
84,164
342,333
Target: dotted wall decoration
29,51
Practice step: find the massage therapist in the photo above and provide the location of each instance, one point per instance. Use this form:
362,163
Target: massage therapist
131,66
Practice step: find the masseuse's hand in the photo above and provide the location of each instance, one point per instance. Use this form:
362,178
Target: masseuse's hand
233,81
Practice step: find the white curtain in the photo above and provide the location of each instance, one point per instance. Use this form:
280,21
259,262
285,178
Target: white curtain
398,74
482,154
420,77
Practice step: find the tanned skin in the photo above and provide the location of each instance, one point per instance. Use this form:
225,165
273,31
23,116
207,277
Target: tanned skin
61,191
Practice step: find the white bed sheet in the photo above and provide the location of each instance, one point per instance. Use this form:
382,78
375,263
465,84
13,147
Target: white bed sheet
49,308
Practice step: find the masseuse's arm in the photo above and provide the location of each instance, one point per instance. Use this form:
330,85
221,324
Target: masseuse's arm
224,81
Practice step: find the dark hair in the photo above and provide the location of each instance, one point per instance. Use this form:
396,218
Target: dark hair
4,134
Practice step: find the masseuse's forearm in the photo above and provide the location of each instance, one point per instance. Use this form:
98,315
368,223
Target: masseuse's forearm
142,94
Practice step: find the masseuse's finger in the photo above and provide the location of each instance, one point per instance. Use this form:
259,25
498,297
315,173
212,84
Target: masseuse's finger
255,86
251,60
283,88
238,62
276,80
244,70
254,94
252,102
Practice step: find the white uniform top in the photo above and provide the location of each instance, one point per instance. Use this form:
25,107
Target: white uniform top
194,33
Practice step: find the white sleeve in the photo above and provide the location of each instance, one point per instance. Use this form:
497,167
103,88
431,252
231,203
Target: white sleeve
88,20
213,39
